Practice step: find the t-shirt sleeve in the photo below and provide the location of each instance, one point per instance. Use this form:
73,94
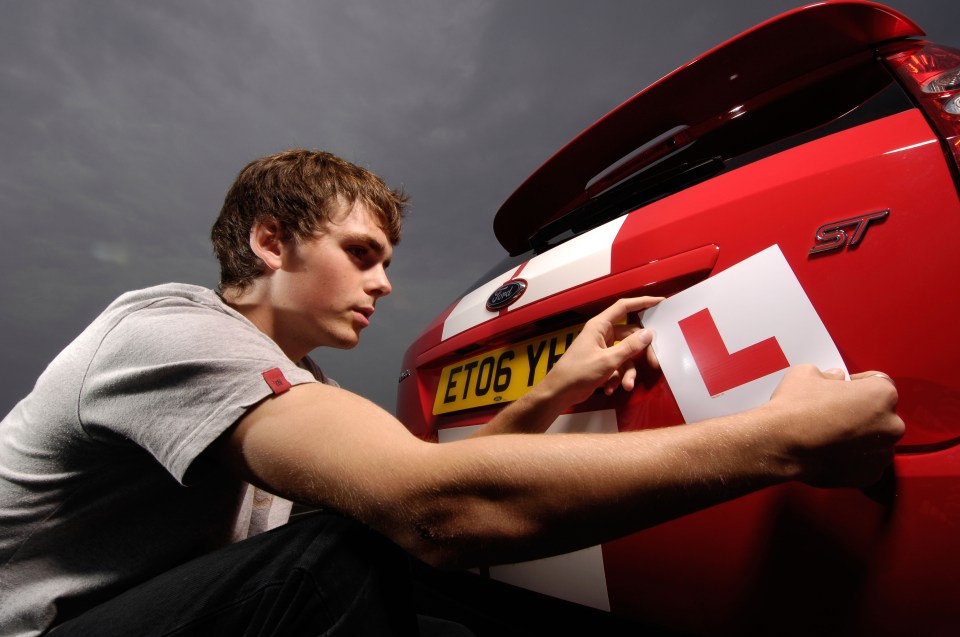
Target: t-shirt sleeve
171,379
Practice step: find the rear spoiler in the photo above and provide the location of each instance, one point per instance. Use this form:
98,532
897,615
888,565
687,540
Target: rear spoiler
700,96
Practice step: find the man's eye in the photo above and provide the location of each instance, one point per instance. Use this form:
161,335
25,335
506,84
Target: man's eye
357,251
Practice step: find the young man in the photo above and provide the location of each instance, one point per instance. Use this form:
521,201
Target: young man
122,472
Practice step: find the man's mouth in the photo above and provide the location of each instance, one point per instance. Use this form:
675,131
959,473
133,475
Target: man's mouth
364,314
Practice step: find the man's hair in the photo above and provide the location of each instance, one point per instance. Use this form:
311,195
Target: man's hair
302,190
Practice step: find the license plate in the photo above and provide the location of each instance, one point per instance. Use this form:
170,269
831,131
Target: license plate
501,375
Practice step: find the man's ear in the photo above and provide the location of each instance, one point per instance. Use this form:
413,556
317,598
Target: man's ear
266,241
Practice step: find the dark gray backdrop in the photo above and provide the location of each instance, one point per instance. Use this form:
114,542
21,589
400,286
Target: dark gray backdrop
123,123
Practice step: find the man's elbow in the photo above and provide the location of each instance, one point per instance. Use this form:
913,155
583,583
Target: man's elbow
468,538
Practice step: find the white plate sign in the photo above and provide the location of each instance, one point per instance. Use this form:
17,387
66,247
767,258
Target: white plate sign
725,343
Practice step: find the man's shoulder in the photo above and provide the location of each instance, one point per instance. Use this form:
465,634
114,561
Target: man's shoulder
168,294
177,302
164,316
165,322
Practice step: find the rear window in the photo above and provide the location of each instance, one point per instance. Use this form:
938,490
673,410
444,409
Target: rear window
843,102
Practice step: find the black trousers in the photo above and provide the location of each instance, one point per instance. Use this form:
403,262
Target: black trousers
323,574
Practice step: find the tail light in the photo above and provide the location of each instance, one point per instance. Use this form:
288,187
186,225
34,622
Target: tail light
931,74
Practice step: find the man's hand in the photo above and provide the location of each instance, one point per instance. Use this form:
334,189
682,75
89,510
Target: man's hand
836,433
603,355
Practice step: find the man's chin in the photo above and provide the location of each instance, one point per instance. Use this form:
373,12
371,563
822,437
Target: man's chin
344,338
348,341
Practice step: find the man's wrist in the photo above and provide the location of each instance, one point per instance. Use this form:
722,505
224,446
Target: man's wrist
772,427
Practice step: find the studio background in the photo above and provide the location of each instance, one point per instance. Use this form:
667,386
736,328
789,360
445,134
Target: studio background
123,123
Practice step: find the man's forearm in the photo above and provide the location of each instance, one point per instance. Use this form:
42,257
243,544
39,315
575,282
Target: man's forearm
504,498
508,498
532,413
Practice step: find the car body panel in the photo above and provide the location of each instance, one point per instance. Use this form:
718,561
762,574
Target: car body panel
704,93
881,561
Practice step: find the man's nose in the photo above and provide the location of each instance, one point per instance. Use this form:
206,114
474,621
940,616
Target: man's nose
378,284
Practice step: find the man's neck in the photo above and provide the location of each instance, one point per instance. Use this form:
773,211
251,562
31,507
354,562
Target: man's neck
253,304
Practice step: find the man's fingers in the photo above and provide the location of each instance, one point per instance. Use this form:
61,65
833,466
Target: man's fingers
623,330
625,352
887,386
633,345
612,383
625,377
838,373
619,310
620,332
872,374
652,359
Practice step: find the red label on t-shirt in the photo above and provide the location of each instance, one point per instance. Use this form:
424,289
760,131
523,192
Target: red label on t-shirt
277,381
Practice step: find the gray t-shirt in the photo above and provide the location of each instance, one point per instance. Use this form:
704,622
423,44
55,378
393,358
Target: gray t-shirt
99,488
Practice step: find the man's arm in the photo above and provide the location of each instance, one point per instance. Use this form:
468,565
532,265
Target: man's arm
506,498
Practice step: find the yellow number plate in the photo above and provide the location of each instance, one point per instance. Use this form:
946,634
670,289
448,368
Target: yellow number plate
500,375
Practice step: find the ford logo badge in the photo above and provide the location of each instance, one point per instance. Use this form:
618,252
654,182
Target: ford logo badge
506,295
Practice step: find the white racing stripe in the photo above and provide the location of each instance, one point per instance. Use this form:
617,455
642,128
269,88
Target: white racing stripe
579,260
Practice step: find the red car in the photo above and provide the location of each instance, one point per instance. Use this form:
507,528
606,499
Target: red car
832,132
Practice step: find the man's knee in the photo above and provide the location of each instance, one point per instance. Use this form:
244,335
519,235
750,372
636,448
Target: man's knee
355,573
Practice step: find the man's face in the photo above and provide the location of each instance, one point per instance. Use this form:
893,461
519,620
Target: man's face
331,282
